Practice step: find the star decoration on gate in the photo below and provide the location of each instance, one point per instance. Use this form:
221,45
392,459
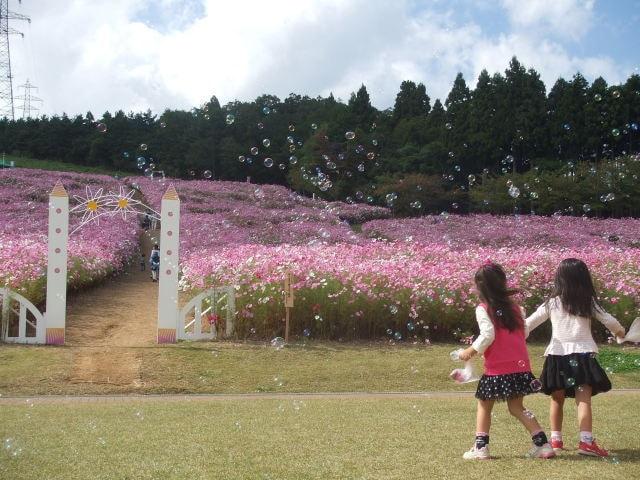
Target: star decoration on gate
96,204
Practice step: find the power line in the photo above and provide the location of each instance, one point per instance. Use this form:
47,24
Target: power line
6,79
27,100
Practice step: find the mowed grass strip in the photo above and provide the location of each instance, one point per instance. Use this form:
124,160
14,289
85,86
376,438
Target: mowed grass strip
223,367
293,439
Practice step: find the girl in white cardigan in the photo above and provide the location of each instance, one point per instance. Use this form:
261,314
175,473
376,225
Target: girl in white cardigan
570,367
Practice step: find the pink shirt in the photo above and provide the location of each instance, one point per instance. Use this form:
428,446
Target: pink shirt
504,351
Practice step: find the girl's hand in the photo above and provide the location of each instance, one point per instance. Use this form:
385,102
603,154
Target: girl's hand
467,354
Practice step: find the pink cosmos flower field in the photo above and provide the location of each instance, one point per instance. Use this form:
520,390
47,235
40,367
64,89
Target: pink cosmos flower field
95,251
407,278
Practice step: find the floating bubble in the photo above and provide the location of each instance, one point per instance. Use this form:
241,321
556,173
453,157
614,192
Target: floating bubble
451,154
615,94
536,385
374,142
586,208
207,174
397,336
306,332
152,166
411,326
417,204
350,135
268,162
126,154
597,97
361,167
101,127
360,149
254,150
292,148
455,206
292,128
566,126
277,343
389,331
230,118
241,158
615,132
163,125
393,309
359,195
282,166
370,199
609,370
448,126
529,414
457,168
371,156
260,125
293,160
278,381
514,191
144,147
314,126
266,110
148,172
266,142
521,363
141,162
472,179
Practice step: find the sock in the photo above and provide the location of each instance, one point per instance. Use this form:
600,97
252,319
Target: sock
482,440
555,435
539,438
586,437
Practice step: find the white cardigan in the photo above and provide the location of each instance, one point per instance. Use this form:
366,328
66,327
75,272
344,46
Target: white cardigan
569,333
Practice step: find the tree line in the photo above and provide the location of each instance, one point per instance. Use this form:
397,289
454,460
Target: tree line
507,124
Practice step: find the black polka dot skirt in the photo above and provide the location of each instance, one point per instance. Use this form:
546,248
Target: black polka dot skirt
504,387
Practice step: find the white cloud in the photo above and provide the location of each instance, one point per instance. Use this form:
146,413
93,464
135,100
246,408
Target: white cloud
565,18
88,56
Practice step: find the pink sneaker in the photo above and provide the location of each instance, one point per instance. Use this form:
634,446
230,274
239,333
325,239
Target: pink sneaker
592,449
557,445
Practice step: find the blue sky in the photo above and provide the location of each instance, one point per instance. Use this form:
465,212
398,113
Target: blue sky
156,54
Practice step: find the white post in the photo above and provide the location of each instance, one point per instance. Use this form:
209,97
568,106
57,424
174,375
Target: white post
168,275
56,308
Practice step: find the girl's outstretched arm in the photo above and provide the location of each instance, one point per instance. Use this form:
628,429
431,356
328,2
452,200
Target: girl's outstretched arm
487,332
609,321
536,318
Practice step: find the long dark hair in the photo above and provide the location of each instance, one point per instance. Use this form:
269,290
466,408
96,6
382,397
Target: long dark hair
574,287
491,282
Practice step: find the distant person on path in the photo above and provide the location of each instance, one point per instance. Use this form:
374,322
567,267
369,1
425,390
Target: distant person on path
154,260
507,371
146,222
143,262
570,367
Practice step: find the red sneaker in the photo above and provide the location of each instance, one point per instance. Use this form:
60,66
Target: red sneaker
592,449
557,444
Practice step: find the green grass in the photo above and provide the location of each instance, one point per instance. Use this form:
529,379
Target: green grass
223,367
23,162
295,439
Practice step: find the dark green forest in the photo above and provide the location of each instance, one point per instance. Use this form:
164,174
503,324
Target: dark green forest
506,145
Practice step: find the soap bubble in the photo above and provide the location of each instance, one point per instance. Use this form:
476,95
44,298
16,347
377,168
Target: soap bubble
306,332
597,97
570,382
141,162
101,127
241,158
260,125
411,326
374,142
522,363
266,110
371,156
514,191
472,179
278,343
292,128
615,132
361,167
266,142
586,207
615,94
207,174
230,118
393,309
448,126
314,126
268,162
148,172
143,147
536,385
163,125
350,135
457,168
293,160
389,331
397,336
566,126
254,150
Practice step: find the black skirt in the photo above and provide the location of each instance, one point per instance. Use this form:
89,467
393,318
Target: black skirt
504,387
569,372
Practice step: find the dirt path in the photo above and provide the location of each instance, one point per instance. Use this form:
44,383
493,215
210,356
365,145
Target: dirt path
103,322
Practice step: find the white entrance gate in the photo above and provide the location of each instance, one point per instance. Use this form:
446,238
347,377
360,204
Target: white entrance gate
202,316
21,321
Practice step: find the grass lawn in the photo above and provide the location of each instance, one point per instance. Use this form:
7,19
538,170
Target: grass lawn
23,162
223,367
294,439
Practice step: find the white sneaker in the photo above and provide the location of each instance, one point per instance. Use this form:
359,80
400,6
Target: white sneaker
545,451
477,453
